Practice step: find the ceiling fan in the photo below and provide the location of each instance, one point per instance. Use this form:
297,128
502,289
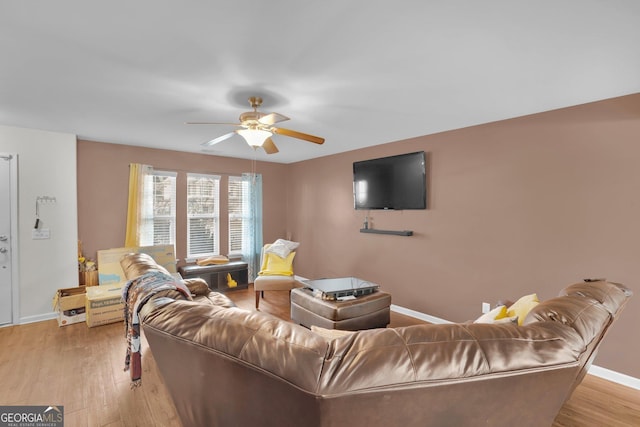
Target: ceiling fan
257,129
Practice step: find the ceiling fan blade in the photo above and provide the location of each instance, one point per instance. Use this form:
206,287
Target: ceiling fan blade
298,135
271,118
269,146
211,123
218,139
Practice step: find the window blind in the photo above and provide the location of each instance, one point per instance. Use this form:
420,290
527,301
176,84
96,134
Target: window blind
203,211
164,208
235,214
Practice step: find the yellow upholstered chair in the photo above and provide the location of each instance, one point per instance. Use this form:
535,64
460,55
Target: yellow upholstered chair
276,274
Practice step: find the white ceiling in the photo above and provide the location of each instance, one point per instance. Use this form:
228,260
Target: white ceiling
356,72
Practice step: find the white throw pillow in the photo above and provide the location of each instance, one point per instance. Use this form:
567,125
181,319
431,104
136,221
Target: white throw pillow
282,247
497,315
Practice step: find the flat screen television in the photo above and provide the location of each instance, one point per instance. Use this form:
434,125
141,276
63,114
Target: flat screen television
395,182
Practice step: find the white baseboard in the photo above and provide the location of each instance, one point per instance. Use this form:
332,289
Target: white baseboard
417,315
615,377
597,371
38,318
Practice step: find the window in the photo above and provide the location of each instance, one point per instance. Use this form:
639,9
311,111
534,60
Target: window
203,211
236,189
164,209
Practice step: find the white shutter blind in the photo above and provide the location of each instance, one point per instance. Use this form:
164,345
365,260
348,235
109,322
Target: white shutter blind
164,207
235,214
145,225
203,210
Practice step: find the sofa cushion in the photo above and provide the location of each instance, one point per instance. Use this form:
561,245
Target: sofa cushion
275,283
611,295
585,315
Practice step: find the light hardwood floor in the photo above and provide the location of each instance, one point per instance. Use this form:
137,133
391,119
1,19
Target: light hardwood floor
82,369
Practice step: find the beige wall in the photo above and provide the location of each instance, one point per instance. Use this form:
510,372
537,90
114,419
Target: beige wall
519,206
515,207
103,175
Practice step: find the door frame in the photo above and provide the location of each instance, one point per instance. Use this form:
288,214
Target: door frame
13,197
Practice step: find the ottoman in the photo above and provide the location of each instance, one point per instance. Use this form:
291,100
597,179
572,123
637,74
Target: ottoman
364,312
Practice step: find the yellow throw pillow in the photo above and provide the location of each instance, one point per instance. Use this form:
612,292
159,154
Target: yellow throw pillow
273,265
522,307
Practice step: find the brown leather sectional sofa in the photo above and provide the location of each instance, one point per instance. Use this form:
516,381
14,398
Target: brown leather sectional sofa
225,366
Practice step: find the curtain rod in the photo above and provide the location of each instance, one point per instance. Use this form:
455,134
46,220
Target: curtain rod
195,171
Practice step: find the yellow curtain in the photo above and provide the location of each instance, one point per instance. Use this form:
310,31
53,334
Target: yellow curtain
139,206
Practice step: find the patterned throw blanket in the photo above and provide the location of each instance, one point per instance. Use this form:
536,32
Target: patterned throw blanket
135,294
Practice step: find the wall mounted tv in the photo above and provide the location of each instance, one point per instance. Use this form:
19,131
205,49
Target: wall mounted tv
396,182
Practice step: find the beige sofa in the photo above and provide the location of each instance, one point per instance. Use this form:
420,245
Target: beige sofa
225,366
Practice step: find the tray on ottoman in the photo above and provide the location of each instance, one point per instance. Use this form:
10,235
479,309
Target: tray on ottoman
364,312
341,287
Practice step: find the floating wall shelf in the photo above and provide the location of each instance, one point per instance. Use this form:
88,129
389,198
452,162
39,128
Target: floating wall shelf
396,233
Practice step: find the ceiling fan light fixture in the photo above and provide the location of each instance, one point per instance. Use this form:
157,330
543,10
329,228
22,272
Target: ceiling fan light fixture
254,137
257,129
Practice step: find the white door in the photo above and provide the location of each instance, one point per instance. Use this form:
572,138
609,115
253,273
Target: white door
6,313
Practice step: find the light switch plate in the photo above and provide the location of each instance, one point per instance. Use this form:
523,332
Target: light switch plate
486,307
40,233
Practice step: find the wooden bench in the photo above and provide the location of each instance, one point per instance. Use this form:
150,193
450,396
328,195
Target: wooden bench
216,275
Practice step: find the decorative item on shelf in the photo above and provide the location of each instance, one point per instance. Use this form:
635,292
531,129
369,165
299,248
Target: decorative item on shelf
230,282
90,278
87,269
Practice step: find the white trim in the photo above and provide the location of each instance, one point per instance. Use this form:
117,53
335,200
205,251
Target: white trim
38,318
418,315
15,247
171,174
615,377
597,371
12,158
203,175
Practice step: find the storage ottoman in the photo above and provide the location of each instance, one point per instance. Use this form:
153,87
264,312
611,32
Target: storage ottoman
364,312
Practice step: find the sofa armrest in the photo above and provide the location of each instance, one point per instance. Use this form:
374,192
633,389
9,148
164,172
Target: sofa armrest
136,264
197,286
